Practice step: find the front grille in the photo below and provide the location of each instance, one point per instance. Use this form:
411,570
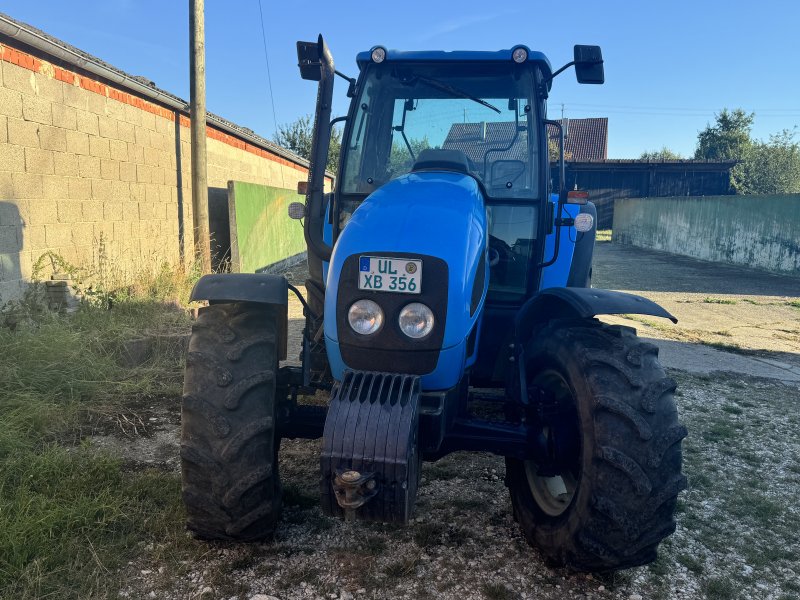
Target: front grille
390,349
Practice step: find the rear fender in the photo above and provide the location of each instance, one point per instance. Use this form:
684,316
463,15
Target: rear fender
584,303
259,288
569,303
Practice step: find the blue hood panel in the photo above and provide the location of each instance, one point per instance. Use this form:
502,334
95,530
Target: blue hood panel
440,214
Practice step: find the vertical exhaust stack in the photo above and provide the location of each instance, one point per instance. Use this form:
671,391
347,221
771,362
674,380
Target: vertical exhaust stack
316,64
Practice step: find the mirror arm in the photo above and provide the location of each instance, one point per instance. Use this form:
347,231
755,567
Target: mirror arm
351,88
562,193
559,71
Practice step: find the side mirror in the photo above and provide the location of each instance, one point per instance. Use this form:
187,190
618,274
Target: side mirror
308,60
311,56
297,210
589,64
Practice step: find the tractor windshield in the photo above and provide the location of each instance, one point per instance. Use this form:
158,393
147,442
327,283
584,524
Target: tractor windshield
484,110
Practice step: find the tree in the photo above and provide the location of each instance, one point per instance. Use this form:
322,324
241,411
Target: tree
728,138
553,150
400,160
663,154
771,167
297,136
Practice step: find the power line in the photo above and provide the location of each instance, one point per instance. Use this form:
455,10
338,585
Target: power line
266,58
269,81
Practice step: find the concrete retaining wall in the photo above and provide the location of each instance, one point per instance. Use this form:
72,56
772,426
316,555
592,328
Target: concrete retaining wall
88,168
756,231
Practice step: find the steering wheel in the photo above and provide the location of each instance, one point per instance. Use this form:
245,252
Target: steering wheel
499,252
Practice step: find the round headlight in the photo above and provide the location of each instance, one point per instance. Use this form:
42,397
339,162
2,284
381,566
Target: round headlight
378,54
416,320
365,317
520,55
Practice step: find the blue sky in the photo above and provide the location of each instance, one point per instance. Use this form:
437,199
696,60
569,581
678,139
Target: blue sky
669,65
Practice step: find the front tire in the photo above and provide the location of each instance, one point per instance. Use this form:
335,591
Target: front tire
229,445
618,444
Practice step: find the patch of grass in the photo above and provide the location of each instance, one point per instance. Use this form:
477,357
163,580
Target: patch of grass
374,545
753,506
761,555
725,347
794,303
732,409
691,563
428,534
468,503
660,567
459,535
700,481
243,563
720,588
402,567
69,516
710,300
497,591
303,574
720,431
443,470
68,519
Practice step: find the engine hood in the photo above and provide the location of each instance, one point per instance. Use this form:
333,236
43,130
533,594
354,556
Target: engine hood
431,213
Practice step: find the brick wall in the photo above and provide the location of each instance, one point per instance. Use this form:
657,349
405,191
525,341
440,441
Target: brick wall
84,164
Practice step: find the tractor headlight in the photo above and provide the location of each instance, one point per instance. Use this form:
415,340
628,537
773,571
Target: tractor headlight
378,54
416,320
365,317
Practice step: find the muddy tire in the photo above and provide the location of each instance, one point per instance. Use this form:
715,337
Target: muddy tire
612,498
229,446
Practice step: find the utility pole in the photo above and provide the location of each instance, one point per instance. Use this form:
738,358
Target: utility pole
197,82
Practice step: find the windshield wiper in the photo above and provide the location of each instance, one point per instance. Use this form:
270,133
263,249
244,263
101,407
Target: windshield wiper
445,87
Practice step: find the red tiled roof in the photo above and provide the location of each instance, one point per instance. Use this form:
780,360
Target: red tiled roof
586,139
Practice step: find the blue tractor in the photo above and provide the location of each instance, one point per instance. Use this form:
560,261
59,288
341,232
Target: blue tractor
448,307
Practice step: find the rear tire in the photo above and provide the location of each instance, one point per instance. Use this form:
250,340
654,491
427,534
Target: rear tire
614,499
229,446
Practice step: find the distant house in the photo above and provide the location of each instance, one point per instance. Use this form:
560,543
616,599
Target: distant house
476,139
586,140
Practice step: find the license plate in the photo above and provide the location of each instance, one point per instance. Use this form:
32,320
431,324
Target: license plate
389,274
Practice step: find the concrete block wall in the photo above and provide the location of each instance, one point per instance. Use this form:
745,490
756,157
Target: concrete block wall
755,231
89,169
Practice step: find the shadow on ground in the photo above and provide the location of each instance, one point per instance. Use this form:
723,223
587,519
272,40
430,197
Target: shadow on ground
619,267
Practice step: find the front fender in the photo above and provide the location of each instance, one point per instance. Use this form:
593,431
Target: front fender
259,288
585,303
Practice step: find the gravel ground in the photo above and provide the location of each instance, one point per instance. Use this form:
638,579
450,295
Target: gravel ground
738,522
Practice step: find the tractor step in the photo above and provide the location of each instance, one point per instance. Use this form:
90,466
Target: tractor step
370,461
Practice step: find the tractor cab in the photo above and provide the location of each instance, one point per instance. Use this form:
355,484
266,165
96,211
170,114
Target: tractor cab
476,114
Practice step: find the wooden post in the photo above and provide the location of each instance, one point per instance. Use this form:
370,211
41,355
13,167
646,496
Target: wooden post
197,77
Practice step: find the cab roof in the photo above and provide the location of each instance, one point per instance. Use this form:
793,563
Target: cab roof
466,56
